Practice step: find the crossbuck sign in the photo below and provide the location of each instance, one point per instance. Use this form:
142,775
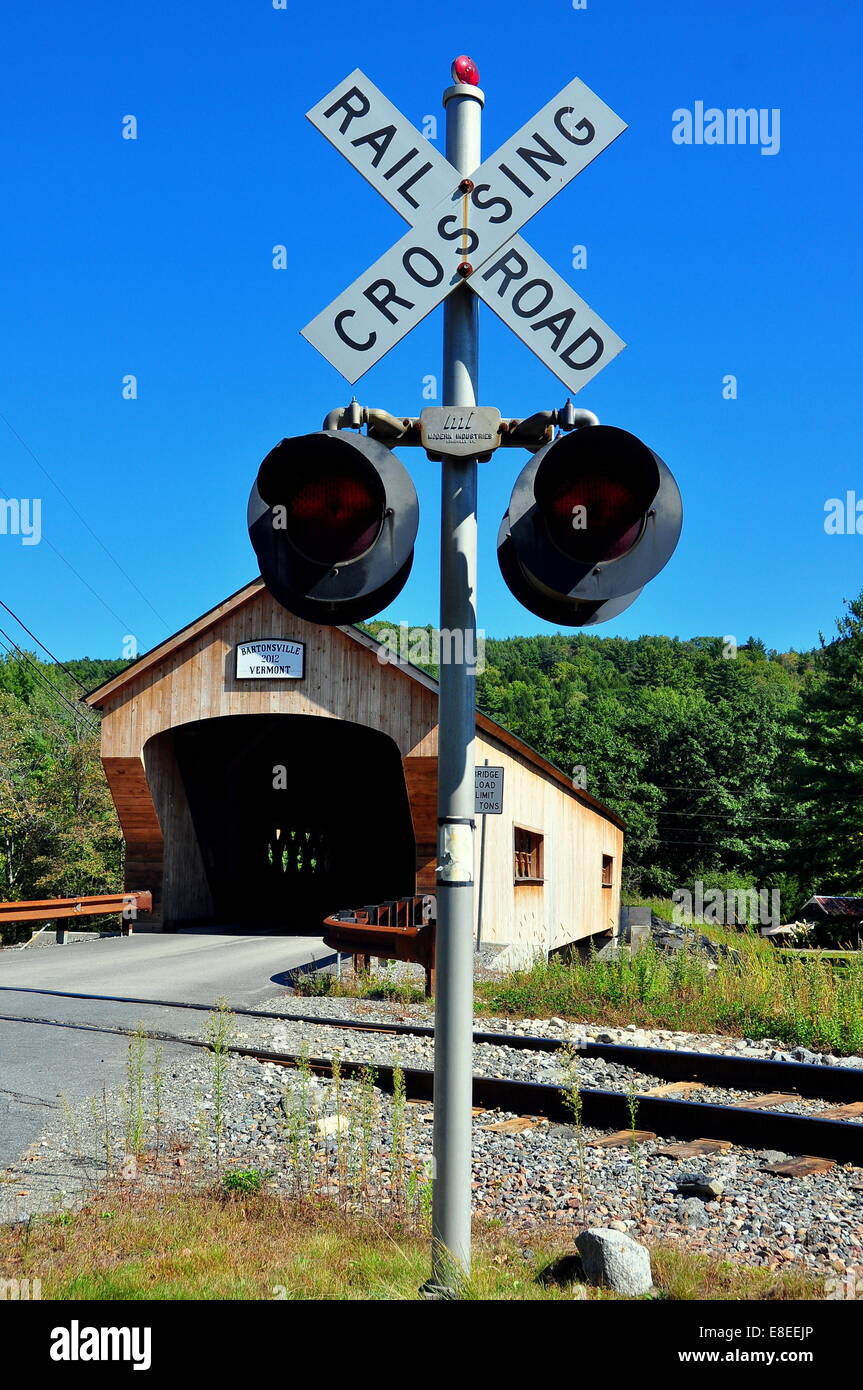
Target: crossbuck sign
474,229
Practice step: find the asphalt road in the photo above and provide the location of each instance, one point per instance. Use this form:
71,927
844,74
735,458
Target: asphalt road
41,1063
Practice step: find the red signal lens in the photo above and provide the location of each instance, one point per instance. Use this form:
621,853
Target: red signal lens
335,517
465,70
595,498
595,518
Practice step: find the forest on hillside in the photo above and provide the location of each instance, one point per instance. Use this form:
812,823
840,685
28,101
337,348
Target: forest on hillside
736,766
733,765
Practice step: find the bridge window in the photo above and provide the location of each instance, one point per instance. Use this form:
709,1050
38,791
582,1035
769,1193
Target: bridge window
528,866
607,870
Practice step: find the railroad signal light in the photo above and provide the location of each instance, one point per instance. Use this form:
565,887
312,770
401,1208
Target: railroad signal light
333,518
593,517
465,70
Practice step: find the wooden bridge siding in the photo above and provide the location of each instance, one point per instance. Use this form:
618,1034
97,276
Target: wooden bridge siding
142,832
343,681
144,869
186,893
572,903
421,782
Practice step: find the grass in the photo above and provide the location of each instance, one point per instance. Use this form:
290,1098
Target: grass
796,997
756,995
315,985
829,957
182,1245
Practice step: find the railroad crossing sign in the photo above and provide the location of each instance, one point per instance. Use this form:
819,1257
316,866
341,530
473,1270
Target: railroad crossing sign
464,230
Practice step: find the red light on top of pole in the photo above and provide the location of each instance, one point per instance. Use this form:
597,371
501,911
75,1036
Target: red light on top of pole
465,70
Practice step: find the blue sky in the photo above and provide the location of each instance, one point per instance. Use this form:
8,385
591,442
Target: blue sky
153,257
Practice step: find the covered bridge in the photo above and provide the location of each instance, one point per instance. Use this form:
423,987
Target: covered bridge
268,771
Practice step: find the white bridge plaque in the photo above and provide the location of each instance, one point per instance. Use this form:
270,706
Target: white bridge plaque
270,658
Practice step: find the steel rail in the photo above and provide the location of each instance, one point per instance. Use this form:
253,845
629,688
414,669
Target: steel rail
840,1140
808,1079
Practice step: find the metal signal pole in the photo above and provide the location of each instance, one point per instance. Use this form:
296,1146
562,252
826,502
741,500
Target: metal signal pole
451,1199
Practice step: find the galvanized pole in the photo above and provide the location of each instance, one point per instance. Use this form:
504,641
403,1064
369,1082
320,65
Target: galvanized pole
451,1203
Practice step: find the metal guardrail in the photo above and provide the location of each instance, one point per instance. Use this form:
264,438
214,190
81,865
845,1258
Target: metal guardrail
400,929
95,905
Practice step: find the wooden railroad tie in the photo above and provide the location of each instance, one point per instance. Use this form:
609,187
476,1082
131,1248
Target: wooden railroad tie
516,1125
803,1167
674,1088
695,1148
843,1112
622,1139
767,1102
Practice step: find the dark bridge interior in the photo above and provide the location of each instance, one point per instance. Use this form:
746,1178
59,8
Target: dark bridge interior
296,816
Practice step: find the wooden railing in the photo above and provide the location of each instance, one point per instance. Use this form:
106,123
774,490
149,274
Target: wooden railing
401,929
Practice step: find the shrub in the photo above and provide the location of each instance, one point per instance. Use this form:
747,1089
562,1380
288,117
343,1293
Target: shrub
244,1180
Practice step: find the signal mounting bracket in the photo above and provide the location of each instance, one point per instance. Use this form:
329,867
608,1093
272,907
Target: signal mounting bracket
460,432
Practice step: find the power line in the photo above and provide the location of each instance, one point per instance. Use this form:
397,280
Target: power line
79,712
685,844
721,815
40,673
54,720
82,519
122,621
47,650
698,787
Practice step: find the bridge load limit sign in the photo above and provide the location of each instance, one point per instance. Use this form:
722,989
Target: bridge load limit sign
488,798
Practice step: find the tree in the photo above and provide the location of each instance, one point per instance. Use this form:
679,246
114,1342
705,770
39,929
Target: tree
828,762
59,834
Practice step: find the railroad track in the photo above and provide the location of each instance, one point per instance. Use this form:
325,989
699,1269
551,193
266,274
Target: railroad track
832,1135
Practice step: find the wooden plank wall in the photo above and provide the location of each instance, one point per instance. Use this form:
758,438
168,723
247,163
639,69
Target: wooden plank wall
127,783
572,903
421,782
186,892
343,680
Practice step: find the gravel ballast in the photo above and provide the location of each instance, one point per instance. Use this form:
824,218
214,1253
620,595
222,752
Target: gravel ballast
528,1179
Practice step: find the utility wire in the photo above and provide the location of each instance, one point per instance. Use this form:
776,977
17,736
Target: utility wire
47,541
717,844
54,720
720,815
707,787
82,519
47,650
78,712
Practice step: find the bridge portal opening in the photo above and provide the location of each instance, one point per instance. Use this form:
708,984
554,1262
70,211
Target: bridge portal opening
294,816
